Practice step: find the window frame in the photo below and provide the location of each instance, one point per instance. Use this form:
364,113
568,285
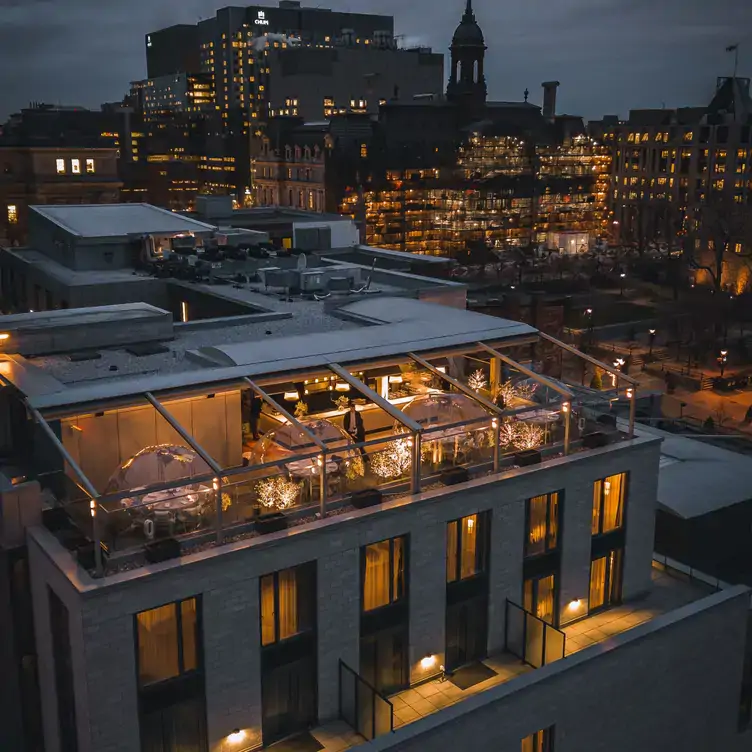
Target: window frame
405,585
75,165
90,166
541,740
559,494
199,644
602,502
60,166
618,553
482,520
275,585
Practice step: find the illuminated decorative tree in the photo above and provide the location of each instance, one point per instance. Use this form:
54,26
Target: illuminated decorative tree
277,492
520,435
510,392
477,380
393,461
301,410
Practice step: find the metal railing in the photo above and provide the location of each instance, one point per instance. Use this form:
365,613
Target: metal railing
531,639
362,706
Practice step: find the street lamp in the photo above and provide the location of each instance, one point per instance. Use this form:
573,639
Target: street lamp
722,361
651,332
618,363
622,277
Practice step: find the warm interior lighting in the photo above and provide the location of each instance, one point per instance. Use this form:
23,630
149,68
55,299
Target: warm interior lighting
606,487
428,662
574,605
470,523
565,407
292,396
396,379
184,311
4,336
342,386
236,735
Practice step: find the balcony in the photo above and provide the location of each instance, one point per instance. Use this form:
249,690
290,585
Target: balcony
670,591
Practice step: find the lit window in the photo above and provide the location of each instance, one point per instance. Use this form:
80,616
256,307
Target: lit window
542,524
76,166
90,165
363,151
167,641
12,214
540,741
383,573
60,165
608,503
288,603
467,543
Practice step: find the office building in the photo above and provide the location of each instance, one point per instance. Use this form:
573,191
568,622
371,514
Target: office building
220,555
178,92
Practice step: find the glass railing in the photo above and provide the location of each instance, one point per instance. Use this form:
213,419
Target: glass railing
365,709
532,639
348,474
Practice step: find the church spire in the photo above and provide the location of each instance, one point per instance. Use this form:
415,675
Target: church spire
467,84
469,10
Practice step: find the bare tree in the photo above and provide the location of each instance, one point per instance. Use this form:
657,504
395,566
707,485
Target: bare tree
724,227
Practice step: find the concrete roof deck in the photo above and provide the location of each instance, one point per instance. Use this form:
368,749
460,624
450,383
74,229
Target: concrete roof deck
118,220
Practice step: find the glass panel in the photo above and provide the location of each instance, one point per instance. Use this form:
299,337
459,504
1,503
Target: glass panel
597,491
528,596
376,576
613,502
469,546
554,645
553,521
534,641
383,719
158,644
398,586
515,626
267,610
536,533
288,603
615,567
189,627
451,553
544,607
597,583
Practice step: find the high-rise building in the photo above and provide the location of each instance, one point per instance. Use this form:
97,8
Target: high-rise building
172,50
177,93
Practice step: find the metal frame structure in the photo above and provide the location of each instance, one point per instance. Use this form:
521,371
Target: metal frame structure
414,429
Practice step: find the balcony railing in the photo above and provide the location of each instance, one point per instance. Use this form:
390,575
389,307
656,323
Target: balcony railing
363,707
532,639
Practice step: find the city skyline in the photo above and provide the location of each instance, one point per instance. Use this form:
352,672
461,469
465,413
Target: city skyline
670,56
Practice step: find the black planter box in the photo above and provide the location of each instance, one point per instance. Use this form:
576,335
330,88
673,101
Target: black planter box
367,498
55,519
607,419
271,523
527,457
451,476
162,550
594,440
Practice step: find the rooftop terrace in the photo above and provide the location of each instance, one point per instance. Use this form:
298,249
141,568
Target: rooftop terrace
212,440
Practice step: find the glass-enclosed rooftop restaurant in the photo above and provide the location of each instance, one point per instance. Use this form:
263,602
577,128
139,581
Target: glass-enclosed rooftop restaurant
267,434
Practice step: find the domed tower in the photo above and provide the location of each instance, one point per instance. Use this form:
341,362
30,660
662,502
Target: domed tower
467,84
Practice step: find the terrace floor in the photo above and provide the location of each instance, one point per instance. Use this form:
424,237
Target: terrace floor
669,592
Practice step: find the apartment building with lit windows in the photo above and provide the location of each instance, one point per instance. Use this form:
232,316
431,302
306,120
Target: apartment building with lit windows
376,522
178,92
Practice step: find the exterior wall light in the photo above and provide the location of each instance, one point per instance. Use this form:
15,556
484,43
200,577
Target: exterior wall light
4,336
574,605
428,662
236,735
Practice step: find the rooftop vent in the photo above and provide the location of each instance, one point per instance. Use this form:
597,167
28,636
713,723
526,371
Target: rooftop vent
79,357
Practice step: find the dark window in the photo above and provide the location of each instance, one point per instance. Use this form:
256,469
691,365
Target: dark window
609,496
288,603
721,135
704,135
63,664
540,741
542,524
467,547
167,641
605,580
384,573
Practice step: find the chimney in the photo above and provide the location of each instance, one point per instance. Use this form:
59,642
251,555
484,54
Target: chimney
549,99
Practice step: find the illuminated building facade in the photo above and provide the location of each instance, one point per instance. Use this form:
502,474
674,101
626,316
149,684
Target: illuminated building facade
178,92
669,162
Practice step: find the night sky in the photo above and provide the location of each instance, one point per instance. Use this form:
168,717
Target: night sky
610,55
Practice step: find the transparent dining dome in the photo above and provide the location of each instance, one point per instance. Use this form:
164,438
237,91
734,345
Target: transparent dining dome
435,410
288,440
156,464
